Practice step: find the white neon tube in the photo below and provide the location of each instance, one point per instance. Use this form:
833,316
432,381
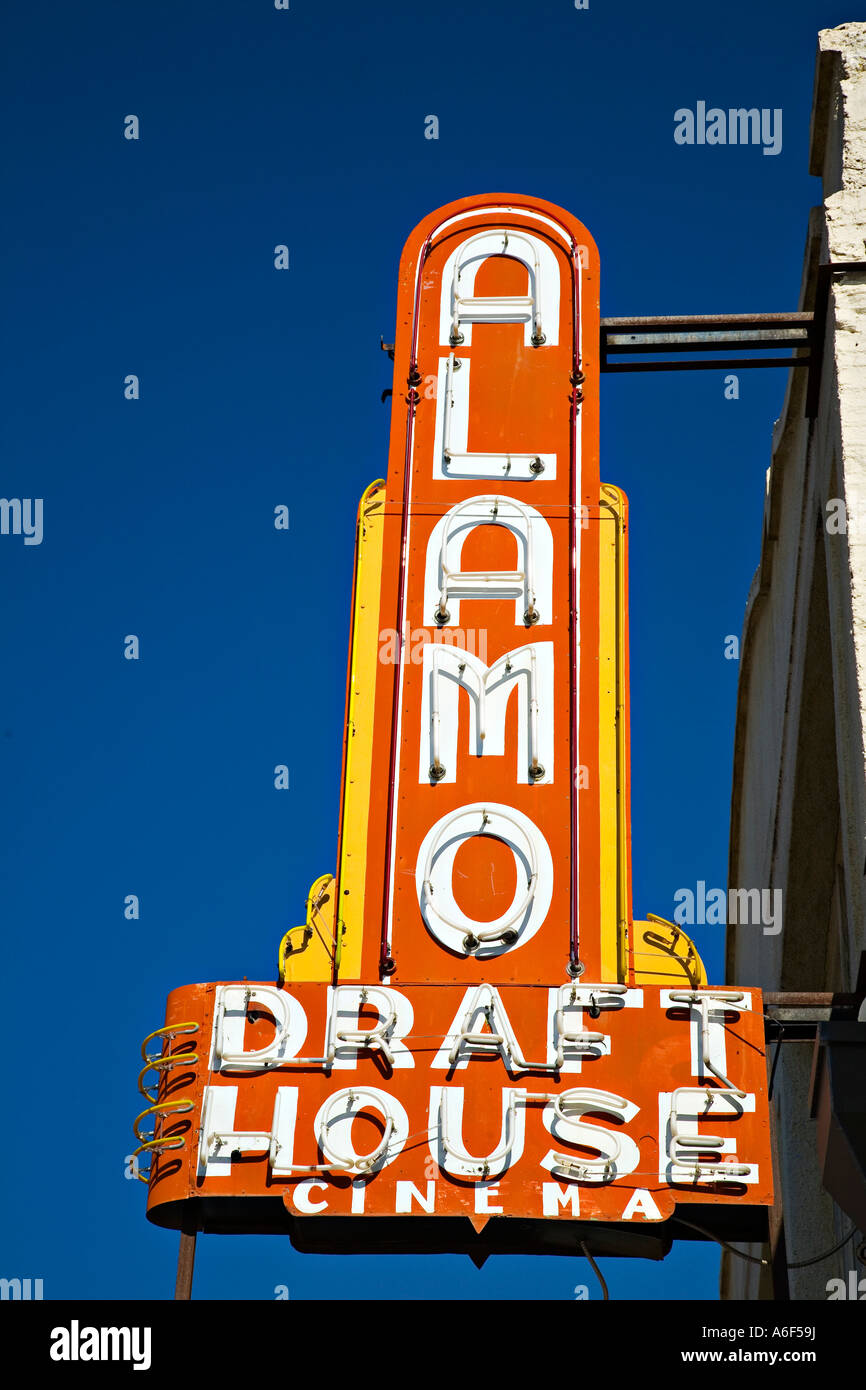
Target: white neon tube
273,999
370,1037
449,406
478,686
535,768
507,308
450,578
437,771
500,1035
588,1167
367,1162
515,915
503,1153
580,1039
334,1036
703,999
531,464
702,1142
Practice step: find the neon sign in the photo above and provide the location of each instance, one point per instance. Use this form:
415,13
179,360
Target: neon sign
471,1024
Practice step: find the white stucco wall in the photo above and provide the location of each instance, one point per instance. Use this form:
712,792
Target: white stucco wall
799,786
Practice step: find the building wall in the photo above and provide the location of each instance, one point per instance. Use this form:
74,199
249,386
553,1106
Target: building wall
798,815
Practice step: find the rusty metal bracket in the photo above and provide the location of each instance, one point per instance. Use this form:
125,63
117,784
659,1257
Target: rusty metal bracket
704,333
799,1014
822,299
743,333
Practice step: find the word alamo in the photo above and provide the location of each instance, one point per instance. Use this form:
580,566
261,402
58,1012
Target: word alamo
415,639
739,906
733,127
76,1343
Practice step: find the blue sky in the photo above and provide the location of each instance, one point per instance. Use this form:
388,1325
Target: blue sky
260,387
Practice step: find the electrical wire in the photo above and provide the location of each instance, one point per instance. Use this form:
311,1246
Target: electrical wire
596,1271
752,1259
755,1260
776,1054
801,1264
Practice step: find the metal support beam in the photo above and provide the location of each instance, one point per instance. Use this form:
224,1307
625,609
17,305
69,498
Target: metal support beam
778,1247
705,333
185,1261
740,363
822,299
795,1016
803,332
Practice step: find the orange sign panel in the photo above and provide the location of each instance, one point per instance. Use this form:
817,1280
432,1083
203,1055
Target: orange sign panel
470,1024
608,1103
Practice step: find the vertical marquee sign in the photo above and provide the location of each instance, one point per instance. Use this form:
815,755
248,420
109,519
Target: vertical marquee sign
471,1044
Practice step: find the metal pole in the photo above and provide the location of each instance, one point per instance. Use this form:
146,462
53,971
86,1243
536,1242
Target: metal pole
185,1260
778,1245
